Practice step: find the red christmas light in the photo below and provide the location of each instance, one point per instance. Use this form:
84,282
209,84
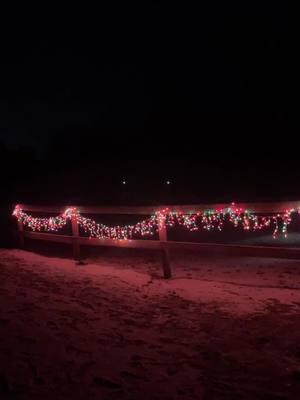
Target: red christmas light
207,220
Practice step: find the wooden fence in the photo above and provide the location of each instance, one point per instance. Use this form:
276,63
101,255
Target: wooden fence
162,244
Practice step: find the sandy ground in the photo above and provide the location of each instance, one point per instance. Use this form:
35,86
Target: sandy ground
113,329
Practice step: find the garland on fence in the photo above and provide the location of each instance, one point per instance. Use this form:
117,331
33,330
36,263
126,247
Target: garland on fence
203,220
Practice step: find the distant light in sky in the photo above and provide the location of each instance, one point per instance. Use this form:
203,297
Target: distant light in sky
124,182
168,182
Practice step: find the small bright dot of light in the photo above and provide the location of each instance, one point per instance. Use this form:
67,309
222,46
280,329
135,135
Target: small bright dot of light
168,182
124,182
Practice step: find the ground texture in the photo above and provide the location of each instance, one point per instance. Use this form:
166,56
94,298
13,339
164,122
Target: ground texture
113,329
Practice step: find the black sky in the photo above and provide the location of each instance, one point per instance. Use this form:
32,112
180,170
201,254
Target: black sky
125,91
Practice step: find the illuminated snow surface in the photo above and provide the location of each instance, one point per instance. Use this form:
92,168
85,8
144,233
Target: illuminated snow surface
223,328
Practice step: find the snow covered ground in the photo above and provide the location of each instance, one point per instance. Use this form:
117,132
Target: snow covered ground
222,328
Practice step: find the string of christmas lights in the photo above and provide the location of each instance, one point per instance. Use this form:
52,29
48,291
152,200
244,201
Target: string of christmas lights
51,224
208,220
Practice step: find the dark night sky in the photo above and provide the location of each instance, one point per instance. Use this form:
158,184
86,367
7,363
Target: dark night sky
206,97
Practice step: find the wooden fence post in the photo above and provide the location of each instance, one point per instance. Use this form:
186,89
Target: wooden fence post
162,233
21,234
75,236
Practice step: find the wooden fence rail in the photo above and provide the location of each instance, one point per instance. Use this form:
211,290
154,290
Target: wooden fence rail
163,245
